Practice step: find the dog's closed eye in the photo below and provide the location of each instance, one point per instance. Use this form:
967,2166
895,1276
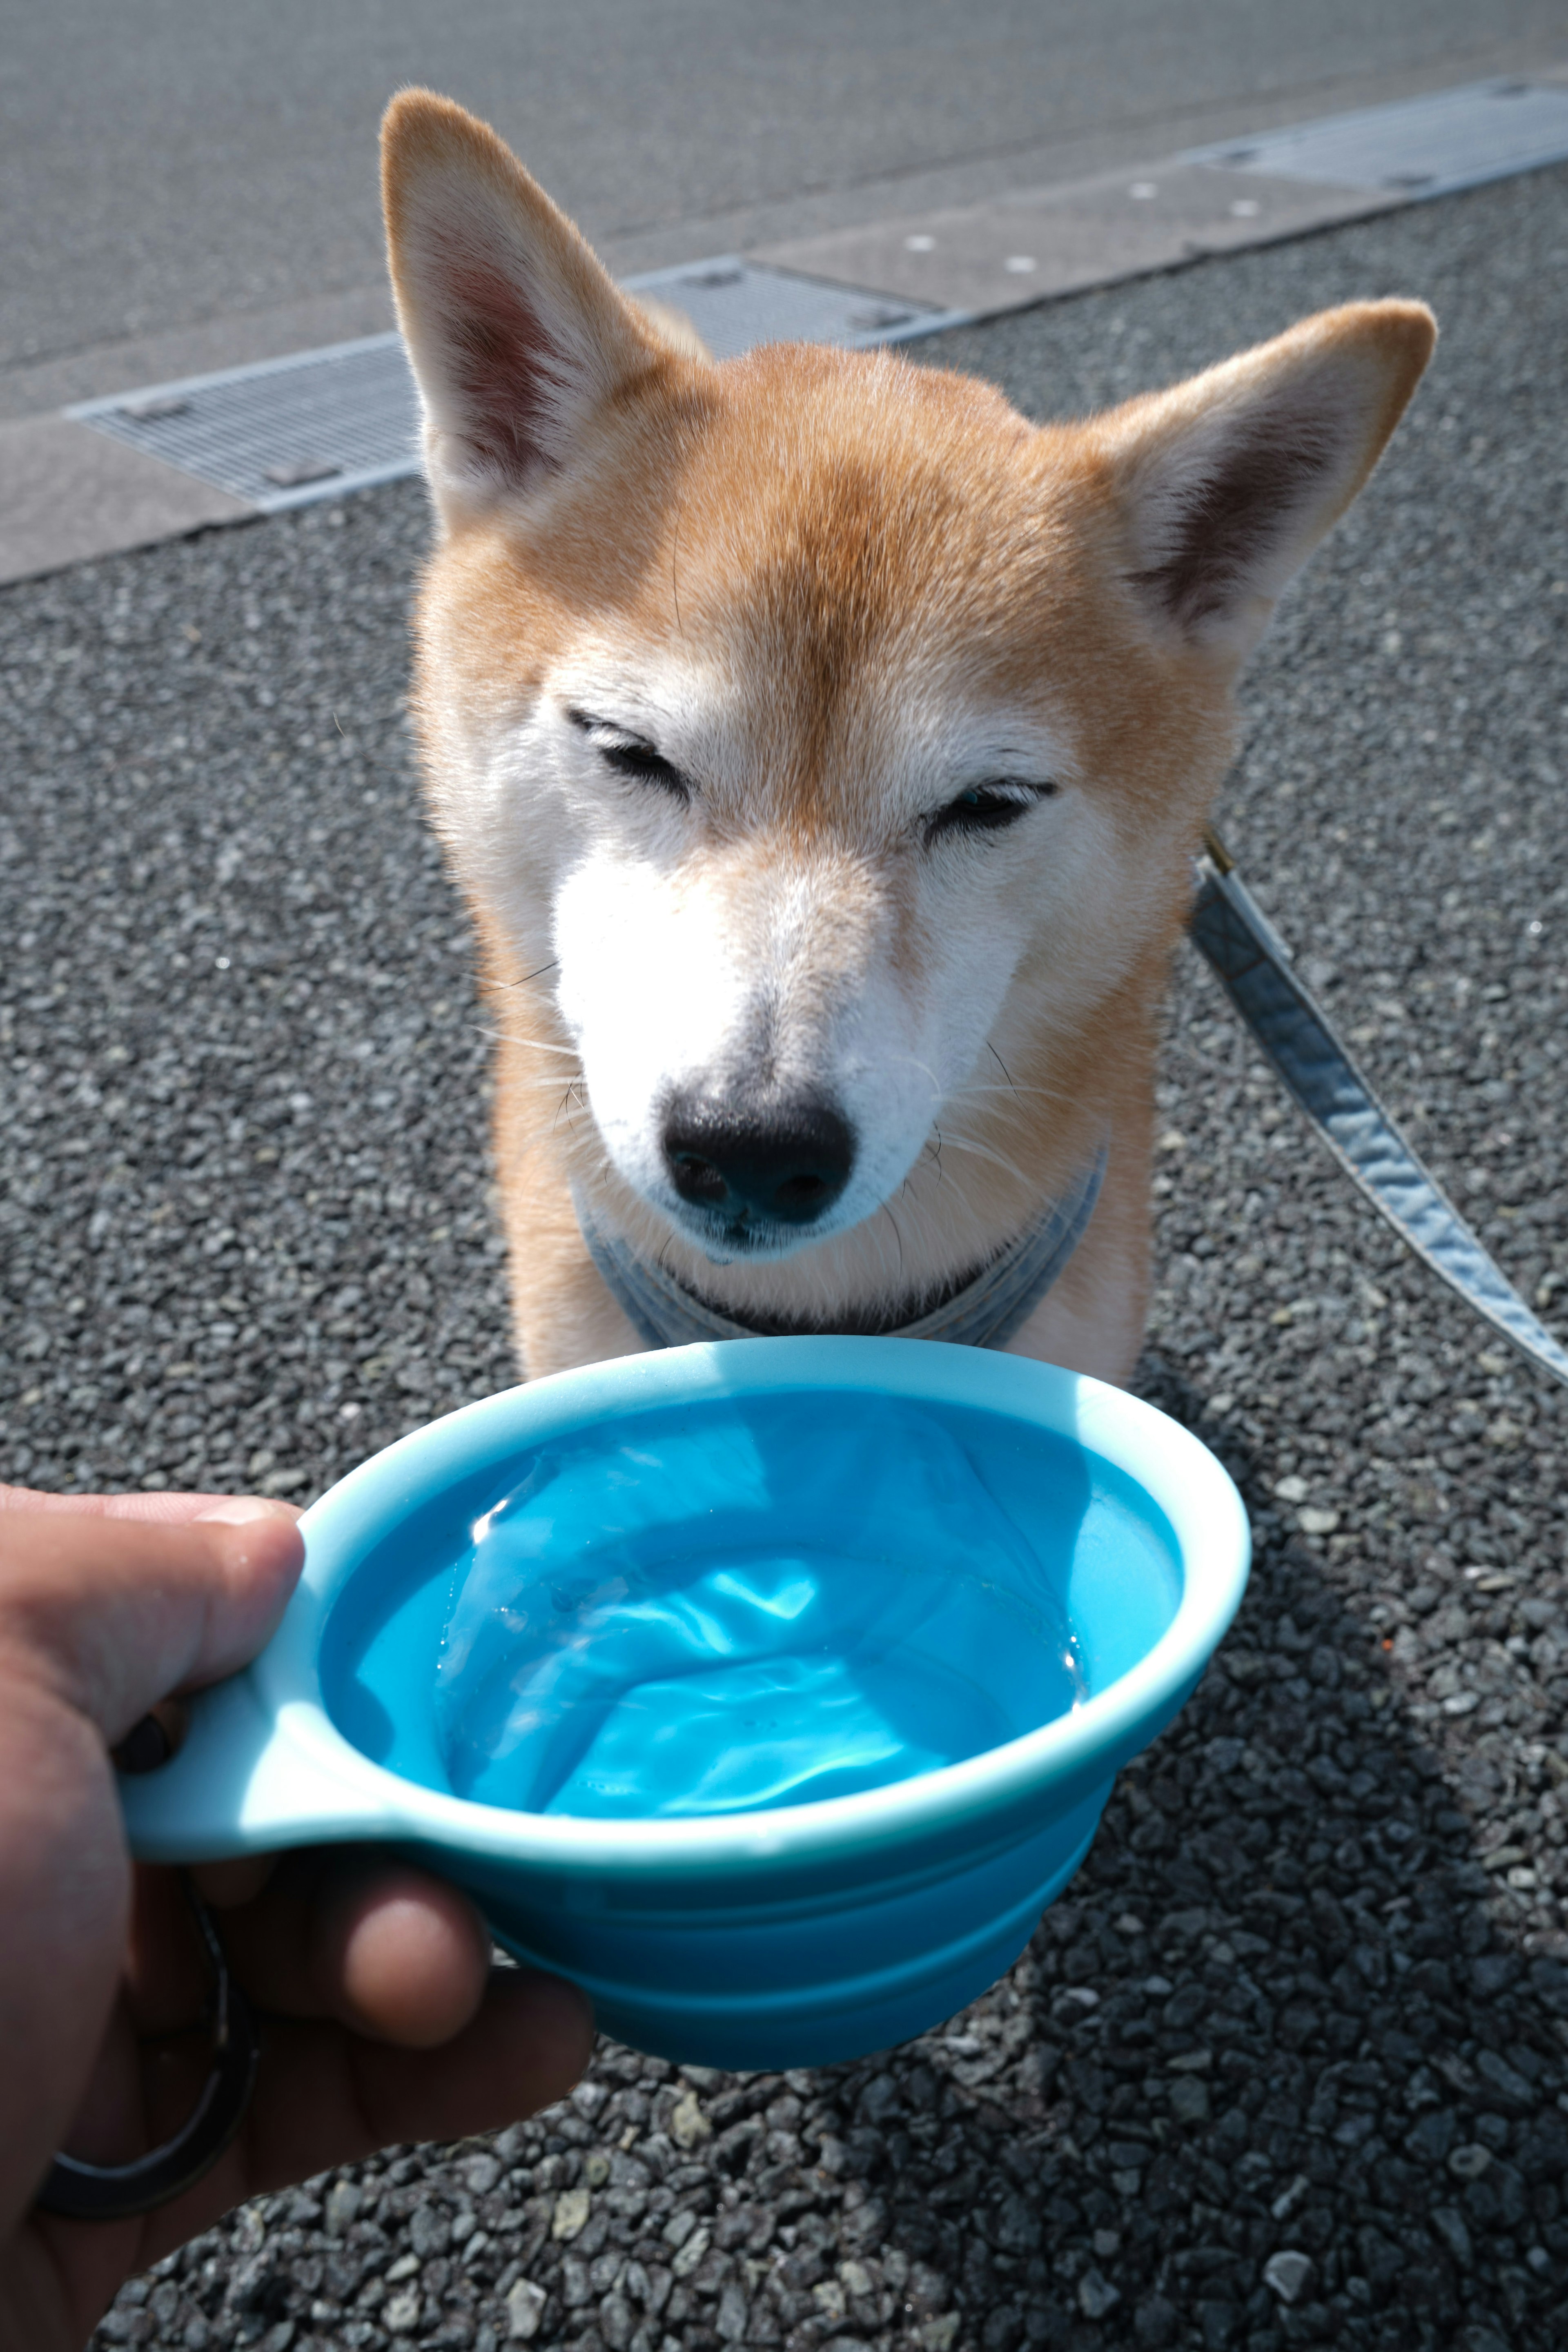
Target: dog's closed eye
629,755
986,808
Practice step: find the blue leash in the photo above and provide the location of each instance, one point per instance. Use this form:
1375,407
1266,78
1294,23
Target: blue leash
1233,933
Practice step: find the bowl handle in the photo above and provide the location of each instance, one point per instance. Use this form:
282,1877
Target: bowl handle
246,1781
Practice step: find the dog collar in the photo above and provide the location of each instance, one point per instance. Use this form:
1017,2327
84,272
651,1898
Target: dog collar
985,1314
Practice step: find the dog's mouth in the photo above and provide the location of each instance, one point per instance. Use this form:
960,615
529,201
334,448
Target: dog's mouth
868,1319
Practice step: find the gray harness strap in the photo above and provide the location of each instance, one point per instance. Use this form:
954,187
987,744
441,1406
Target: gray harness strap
985,1314
1254,963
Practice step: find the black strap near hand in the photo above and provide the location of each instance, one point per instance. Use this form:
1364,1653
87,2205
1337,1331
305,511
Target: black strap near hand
114,2192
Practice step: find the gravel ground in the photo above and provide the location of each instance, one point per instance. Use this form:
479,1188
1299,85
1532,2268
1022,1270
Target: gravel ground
1288,2065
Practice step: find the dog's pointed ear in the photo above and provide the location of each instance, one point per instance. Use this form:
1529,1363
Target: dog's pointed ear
1226,483
516,332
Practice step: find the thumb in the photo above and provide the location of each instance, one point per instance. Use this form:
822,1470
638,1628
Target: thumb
115,1615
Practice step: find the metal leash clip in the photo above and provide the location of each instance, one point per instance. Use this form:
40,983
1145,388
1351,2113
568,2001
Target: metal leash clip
116,2192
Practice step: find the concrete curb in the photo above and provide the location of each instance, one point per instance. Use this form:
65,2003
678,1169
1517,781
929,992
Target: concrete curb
67,494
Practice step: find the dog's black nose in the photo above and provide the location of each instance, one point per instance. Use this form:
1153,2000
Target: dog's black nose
787,1163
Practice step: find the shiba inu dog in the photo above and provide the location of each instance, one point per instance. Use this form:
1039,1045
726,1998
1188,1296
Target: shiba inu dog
822,750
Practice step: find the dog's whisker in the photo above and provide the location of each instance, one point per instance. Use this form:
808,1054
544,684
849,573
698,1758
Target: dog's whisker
1007,1094
983,1152
1011,1092
539,1045
898,1236
1001,1065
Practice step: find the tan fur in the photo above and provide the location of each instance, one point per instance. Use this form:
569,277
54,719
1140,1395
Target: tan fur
820,570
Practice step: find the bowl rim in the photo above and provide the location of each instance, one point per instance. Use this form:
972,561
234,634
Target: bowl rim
1193,1490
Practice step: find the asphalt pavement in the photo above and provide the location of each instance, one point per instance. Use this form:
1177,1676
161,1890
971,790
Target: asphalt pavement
186,187
1288,2067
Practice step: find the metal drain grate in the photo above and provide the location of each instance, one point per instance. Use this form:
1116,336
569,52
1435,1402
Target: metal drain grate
318,422
282,432
734,305
1428,146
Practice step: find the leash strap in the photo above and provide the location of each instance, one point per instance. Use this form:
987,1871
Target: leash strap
1255,965
114,2192
985,1314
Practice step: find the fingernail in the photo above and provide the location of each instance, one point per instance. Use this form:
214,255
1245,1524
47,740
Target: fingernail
240,1509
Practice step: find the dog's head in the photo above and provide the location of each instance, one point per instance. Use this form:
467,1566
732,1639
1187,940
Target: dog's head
833,738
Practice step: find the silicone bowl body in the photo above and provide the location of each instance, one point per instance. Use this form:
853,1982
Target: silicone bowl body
754,1940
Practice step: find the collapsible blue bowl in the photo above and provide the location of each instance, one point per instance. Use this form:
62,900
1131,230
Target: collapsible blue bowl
1036,1547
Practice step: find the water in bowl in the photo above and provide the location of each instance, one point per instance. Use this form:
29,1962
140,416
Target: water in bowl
750,1603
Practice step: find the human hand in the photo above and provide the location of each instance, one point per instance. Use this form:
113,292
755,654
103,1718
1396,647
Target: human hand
384,2021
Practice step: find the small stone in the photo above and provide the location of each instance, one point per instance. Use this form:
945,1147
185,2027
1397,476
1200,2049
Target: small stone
480,2173
660,2283
1500,2073
1449,2224
1189,2100
690,2253
344,2199
1096,2295
569,2218
617,2322
249,2231
1017,2225
1314,1521
524,2310
597,2168
400,2313
733,2314
430,2231
857,2279
1154,2323
1433,2135
1469,2161
1288,2273
407,2266
938,2335
688,2124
